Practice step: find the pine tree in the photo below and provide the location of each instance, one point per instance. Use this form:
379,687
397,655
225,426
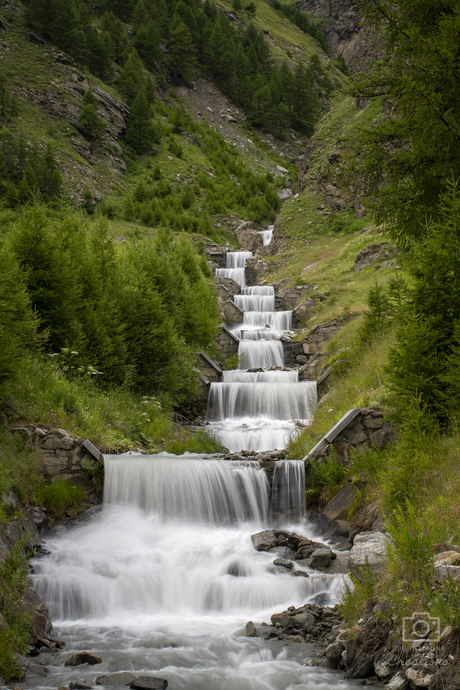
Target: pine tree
131,78
90,121
182,53
140,133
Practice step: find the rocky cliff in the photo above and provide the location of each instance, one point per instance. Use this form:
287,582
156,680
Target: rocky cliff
342,25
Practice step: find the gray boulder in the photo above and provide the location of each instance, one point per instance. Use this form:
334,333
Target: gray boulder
304,621
116,679
83,658
320,558
368,551
263,541
149,683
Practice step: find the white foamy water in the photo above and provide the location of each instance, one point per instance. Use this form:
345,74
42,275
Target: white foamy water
244,411
169,595
267,235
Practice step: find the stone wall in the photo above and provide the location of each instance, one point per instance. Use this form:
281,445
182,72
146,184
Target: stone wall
304,311
232,287
226,342
208,368
291,352
317,339
359,429
289,297
231,312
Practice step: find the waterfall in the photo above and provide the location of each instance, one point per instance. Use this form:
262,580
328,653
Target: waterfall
260,353
267,235
288,491
259,410
276,400
159,593
235,270
184,488
255,302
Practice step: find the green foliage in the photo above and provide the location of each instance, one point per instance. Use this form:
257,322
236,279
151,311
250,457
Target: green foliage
60,497
303,21
424,364
326,476
232,362
355,594
8,103
199,442
411,545
141,133
18,323
406,161
90,121
14,638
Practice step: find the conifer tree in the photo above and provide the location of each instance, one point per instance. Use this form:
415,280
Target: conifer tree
131,78
90,121
182,53
140,133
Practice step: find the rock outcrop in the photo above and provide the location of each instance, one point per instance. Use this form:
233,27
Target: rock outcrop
344,30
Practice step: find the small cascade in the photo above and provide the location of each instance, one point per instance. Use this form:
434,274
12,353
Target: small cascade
258,410
267,235
275,400
288,492
216,492
236,262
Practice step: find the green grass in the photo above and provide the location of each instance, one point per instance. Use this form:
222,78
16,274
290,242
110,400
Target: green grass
60,497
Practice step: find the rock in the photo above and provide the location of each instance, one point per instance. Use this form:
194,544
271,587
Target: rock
383,669
39,617
365,519
149,683
398,682
368,551
320,558
340,503
283,620
80,685
300,573
284,194
333,654
447,558
283,562
372,253
446,572
263,541
83,658
382,437
421,679
339,528
116,679
249,239
301,359
304,621
250,630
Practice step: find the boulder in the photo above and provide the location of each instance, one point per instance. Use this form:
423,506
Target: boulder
149,683
334,654
421,679
340,503
83,658
339,528
80,685
447,558
116,679
283,620
383,668
368,551
365,519
250,630
283,562
249,239
263,541
372,253
304,621
398,682
320,558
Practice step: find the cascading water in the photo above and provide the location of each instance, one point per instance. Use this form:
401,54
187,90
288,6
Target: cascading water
163,581
258,413
288,491
236,262
267,235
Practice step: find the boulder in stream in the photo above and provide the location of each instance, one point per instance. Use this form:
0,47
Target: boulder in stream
149,683
83,658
